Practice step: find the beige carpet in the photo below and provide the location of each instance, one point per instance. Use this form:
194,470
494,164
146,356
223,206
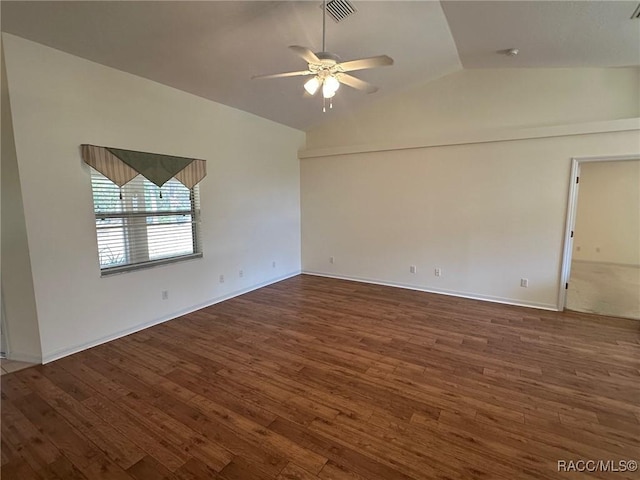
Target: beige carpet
604,289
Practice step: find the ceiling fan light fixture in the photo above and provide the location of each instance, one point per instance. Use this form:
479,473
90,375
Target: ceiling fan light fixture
326,94
327,69
330,86
312,85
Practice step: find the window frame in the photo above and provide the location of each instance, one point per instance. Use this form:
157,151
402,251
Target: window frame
133,248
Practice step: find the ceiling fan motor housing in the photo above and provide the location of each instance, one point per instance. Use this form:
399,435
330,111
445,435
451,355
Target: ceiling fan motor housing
329,56
328,66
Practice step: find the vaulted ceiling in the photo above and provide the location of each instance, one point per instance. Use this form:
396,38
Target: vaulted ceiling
213,48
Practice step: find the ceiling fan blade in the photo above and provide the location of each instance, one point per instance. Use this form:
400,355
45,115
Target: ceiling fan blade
356,83
362,63
285,74
305,53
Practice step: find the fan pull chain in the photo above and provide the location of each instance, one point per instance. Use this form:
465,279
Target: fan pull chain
160,190
120,193
324,105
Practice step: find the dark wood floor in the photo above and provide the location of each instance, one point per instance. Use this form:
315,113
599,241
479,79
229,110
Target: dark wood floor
315,378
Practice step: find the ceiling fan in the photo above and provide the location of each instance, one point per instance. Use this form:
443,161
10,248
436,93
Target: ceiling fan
328,71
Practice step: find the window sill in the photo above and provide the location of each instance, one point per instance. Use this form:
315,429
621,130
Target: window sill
107,272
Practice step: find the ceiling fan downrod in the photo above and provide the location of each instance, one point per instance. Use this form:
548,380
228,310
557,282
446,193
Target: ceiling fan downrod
328,71
324,23
324,49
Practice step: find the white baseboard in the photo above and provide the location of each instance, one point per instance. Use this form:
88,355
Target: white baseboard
596,262
50,357
471,296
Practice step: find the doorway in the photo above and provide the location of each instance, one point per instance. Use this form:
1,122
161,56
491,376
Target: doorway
601,266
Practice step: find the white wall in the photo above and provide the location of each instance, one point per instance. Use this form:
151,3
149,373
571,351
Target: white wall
475,101
488,211
607,225
19,314
250,198
486,214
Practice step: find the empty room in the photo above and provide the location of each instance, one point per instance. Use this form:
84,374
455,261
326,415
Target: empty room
298,240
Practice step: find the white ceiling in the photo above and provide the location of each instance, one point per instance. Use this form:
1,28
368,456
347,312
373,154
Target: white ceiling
213,48
548,34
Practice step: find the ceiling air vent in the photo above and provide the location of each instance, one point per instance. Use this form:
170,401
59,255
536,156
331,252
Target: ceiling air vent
636,13
340,9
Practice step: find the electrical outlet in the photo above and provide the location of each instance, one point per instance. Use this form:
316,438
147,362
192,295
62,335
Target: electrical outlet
165,294
578,248
524,282
221,278
241,273
332,259
412,269
597,249
437,272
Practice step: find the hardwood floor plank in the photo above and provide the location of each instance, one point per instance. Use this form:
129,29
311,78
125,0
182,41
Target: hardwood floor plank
538,446
149,468
13,388
294,472
242,469
76,448
241,405
25,439
333,471
6,452
101,384
196,469
18,468
298,386
408,457
105,469
317,378
215,442
72,386
165,453
116,446
336,451
62,469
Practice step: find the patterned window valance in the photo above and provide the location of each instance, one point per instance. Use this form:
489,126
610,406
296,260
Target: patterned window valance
121,166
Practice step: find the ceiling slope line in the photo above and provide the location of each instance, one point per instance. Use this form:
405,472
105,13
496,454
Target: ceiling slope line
498,135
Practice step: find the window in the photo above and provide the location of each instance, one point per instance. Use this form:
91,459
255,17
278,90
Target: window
140,225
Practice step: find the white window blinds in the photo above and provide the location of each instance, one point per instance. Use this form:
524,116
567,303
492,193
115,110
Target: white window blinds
140,225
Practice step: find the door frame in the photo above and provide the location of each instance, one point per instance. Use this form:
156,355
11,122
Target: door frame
572,205
4,332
